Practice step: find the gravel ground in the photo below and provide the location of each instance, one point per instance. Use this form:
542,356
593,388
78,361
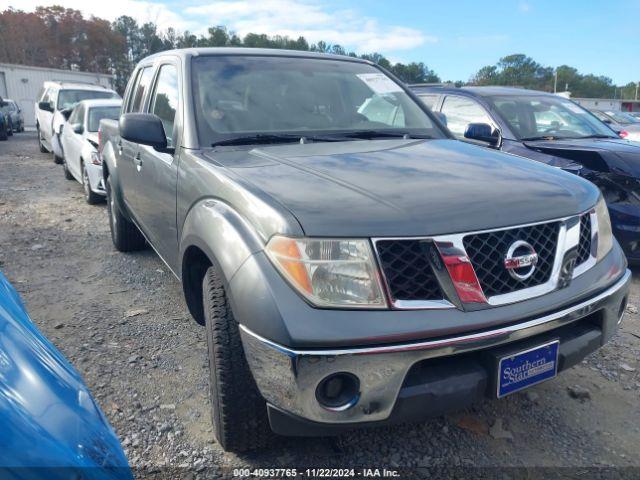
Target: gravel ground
121,320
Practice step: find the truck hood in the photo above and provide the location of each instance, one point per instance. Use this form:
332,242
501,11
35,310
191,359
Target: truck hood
407,187
600,155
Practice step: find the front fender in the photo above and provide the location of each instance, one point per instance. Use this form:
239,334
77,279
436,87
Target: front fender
221,233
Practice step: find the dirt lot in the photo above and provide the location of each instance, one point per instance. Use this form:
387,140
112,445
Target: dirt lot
122,322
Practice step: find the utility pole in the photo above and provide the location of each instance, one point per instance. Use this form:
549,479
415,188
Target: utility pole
637,83
555,83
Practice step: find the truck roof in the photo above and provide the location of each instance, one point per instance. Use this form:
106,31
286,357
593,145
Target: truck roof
478,91
101,102
77,85
240,51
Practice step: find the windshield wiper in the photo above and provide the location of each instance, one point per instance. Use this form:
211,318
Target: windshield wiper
542,137
598,135
371,134
264,138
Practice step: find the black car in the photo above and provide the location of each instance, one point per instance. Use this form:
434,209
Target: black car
553,130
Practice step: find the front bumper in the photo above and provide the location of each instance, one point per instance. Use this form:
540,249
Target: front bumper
287,378
96,180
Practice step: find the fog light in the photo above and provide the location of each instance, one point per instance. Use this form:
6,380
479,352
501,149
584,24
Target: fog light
338,391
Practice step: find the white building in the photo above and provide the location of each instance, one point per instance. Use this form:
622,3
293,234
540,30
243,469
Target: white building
608,104
21,83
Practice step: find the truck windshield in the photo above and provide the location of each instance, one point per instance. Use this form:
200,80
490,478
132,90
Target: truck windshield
243,96
547,117
98,113
68,98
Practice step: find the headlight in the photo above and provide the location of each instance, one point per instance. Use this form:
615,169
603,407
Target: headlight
95,158
605,235
329,272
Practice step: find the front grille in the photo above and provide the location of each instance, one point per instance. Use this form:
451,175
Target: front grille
407,269
584,247
487,252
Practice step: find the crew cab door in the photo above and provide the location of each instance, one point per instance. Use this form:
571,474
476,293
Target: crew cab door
157,171
128,152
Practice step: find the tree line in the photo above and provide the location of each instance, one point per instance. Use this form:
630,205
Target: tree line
61,37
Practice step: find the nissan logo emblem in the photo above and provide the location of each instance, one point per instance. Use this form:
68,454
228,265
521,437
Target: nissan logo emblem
521,260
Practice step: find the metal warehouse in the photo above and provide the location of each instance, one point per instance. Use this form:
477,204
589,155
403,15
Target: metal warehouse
21,83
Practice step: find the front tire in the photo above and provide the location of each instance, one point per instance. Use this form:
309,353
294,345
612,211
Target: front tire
89,195
125,235
238,411
10,130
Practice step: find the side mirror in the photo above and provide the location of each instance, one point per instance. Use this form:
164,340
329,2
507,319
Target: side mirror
145,129
66,113
483,132
442,117
46,106
78,128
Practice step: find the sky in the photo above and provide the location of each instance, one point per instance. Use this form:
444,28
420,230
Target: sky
454,38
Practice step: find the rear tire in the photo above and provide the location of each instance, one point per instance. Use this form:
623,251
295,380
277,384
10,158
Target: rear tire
238,411
91,197
125,235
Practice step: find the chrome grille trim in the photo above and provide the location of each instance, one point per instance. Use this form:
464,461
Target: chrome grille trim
568,238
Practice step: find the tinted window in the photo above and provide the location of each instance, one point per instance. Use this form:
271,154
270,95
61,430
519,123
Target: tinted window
140,89
165,99
460,112
98,113
244,94
68,98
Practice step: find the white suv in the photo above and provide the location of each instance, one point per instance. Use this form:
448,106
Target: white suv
53,105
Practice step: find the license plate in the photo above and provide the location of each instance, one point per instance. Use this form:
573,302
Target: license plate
527,368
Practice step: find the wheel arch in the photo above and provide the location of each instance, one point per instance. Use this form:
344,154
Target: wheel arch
212,234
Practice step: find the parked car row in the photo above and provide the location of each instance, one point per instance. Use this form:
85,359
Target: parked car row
627,126
67,120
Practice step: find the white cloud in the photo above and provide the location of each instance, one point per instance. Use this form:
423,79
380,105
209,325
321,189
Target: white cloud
141,10
524,7
347,27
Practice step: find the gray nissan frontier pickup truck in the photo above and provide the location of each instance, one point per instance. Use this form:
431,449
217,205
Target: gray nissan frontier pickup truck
354,265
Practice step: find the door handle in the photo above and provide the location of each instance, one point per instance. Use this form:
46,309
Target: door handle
138,161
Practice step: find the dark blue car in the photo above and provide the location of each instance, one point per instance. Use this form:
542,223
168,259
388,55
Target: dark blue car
51,427
552,130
